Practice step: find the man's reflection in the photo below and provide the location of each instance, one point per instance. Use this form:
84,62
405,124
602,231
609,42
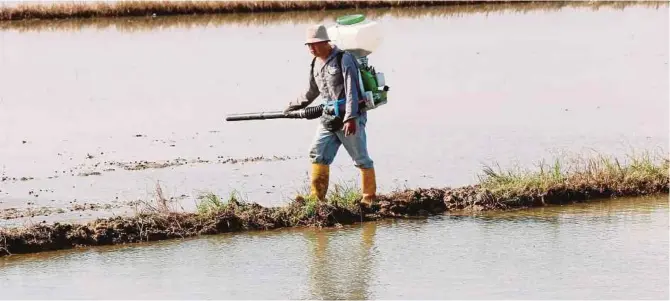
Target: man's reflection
341,265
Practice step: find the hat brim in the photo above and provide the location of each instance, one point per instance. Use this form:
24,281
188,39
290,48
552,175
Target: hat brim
312,41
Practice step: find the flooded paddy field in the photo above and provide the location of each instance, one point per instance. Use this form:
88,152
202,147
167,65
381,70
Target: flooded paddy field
100,112
607,249
95,114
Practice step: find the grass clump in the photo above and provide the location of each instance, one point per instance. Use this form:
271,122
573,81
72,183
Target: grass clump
211,203
639,174
309,207
341,195
340,206
515,180
345,195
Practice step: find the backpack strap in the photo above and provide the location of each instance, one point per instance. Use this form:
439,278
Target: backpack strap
339,59
356,83
311,70
340,54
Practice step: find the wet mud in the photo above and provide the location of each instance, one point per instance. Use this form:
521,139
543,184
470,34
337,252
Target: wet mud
99,168
14,213
239,216
141,165
15,179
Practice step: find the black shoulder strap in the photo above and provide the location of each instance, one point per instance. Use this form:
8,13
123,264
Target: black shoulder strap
339,58
311,71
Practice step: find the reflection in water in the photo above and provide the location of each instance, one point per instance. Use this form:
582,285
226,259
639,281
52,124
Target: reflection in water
133,24
341,271
464,257
602,210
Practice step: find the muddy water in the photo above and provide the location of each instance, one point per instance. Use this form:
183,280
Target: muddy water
603,250
467,88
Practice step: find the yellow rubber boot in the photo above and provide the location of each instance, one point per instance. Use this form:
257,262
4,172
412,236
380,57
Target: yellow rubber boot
369,182
319,178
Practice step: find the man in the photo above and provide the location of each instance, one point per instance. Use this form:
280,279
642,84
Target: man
332,82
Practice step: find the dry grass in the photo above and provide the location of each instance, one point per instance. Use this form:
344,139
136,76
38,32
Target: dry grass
124,15
161,204
4,248
163,8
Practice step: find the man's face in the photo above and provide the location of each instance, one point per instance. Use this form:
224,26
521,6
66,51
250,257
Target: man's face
319,49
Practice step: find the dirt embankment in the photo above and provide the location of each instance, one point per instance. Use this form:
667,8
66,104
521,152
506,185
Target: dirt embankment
238,216
581,180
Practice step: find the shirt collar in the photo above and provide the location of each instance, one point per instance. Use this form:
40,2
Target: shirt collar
333,53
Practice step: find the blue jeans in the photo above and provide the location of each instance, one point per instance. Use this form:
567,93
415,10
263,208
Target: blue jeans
326,144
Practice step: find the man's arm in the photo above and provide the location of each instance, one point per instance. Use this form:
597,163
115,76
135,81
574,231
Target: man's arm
351,86
306,98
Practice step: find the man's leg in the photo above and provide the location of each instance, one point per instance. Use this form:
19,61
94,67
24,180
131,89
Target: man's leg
322,153
356,146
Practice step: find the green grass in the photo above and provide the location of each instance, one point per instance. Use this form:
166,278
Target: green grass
211,203
345,195
340,194
595,171
309,208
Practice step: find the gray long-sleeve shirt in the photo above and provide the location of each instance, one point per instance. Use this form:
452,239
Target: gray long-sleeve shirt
328,82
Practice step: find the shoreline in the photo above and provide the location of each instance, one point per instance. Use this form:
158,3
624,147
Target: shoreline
595,179
153,8
87,11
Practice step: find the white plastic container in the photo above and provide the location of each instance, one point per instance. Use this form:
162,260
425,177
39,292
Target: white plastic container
356,34
369,100
381,81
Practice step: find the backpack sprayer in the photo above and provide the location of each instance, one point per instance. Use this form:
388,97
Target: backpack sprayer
360,37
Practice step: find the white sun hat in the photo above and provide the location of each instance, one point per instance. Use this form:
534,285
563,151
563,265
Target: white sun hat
316,33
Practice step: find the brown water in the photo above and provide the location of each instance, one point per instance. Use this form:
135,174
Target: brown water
467,89
604,250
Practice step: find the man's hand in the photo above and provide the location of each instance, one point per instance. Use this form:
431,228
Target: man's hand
290,108
350,127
